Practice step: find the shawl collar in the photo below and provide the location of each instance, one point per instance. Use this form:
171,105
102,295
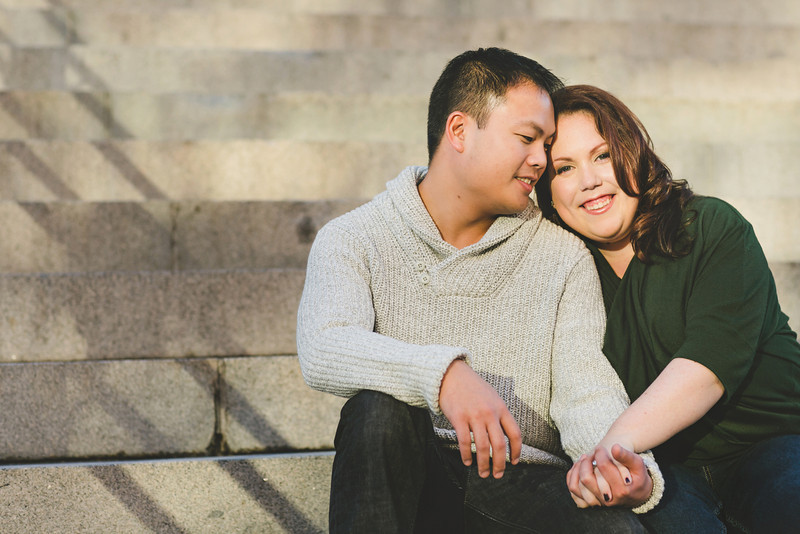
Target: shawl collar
405,198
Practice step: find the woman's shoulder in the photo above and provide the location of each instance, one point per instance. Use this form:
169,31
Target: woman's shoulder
712,213
714,224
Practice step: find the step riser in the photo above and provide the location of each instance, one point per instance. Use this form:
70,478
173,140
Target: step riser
148,315
365,118
162,315
270,495
159,408
181,236
765,70
244,170
263,30
160,235
776,12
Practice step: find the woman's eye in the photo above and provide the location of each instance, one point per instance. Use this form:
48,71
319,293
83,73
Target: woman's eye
604,155
563,169
526,139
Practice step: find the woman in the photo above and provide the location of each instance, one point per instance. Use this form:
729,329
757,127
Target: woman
694,329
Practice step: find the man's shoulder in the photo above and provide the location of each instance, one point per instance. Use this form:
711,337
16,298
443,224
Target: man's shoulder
360,224
550,237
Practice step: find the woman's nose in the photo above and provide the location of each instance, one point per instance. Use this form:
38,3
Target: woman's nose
590,178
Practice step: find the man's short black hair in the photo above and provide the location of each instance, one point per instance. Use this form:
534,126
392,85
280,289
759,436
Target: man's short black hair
476,81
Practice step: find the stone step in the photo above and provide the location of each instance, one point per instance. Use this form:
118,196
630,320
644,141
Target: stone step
308,117
159,235
738,12
250,170
334,118
267,493
160,408
172,315
264,27
241,170
666,71
157,314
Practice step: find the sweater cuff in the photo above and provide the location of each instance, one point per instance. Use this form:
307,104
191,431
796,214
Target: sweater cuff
433,401
658,485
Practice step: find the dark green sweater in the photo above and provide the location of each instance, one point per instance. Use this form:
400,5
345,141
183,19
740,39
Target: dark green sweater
717,306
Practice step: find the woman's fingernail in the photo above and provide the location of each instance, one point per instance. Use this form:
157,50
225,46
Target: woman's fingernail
627,480
606,497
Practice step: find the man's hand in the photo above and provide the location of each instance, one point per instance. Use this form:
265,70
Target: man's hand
621,480
472,405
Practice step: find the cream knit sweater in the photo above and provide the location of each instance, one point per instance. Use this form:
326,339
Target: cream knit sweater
388,305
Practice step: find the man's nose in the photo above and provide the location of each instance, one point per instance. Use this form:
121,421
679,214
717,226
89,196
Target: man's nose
537,156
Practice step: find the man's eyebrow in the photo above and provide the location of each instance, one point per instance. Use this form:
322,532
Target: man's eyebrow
534,126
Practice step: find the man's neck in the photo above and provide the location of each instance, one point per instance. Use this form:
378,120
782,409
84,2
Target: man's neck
458,221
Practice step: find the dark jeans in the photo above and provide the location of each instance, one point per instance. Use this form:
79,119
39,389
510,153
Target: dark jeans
758,492
391,475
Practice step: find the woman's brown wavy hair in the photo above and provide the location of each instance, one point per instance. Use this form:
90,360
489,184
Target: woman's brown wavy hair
658,227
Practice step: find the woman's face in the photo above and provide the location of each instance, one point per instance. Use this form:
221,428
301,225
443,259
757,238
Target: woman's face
585,191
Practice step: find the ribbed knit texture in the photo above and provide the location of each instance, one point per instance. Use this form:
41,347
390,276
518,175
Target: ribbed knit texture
388,305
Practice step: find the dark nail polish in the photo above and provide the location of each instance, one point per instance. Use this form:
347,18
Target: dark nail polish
606,497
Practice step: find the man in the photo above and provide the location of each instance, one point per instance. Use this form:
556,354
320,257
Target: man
466,330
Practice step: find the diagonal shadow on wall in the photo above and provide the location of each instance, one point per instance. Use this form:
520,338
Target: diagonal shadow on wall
114,478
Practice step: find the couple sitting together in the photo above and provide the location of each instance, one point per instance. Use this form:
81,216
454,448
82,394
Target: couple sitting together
611,358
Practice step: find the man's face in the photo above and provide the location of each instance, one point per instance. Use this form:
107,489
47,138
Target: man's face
507,156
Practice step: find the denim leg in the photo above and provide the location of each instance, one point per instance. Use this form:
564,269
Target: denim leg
689,504
762,494
535,499
380,476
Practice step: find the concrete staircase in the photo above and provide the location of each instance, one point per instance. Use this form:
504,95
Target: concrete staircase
165,165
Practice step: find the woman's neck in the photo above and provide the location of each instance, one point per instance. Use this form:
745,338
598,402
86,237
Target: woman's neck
618,257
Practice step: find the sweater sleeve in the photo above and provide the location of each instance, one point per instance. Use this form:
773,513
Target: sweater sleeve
339,351
726,307
587,395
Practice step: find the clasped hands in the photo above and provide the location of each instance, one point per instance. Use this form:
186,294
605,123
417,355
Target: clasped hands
479,415
615,478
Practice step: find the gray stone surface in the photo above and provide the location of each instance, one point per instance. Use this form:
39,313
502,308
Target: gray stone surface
267,406
278,494
331,26
373,117
133,170
666,52
148,314
80,237
250,235
106,409
77,237
144,115
740,12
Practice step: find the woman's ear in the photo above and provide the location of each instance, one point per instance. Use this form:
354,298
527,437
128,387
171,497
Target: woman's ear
455,130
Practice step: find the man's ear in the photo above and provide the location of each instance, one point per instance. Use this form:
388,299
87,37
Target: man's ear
455,130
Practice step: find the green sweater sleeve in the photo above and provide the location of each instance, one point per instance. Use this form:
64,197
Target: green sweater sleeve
725,307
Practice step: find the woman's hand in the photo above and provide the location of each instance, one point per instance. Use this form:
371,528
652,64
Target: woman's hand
603,479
